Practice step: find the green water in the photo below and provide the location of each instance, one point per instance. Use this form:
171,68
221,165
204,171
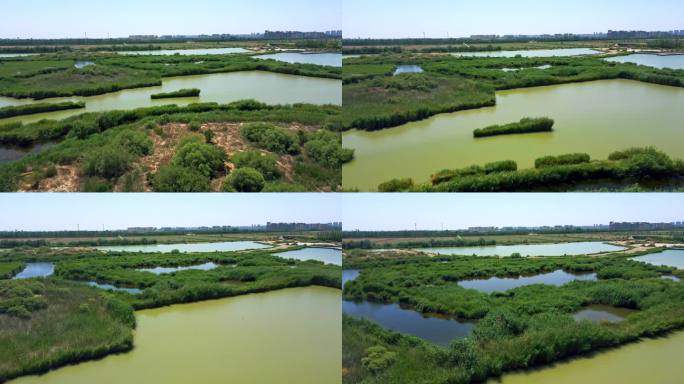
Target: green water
596,117
531,53
286,336
655,361
268,87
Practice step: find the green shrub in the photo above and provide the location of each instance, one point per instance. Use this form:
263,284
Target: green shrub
51,171
264,163
570,158
174,178
193,92
135,142
208,136
396,185
270,137
244,180
110,161
501,166
94,184
325,148
525,125
377,358
194,126
194,153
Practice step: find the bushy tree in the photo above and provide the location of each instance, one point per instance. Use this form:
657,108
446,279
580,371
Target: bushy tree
244,180
265,164
174,178
195,154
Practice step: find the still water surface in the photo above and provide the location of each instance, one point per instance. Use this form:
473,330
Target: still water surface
191,247
285,336
267,87
500,284
187,52
599,313
531,53
328,59
326,255
36,270
597,118
434,328
656,61
670,257
558,249
12,153
647,361
163,270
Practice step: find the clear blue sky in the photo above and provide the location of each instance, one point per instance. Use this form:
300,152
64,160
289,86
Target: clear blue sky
458,18
56,211
375,211
73,18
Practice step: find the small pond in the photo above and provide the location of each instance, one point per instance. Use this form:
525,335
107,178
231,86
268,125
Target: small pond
13,153
349,275
434,328
36,270
163,270
500,284
187,52
191,247
328,59
407,69
670,257
599,312
531,53
83,64
556,249
109,287
326,255
656,61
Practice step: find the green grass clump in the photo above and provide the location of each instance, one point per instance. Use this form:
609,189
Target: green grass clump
8,270
525,125
265,163
244,179
570,158
194,153
30,109
54,323
192,92
270,137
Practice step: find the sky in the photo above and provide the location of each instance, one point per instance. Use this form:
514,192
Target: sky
460,18
64,211
376,211
121,18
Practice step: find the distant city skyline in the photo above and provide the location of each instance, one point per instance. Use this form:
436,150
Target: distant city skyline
52,212
101,19
373,211
459,18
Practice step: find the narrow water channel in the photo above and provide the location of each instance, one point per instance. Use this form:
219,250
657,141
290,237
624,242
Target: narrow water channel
325,255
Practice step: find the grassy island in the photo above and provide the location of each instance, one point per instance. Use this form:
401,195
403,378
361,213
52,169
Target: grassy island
525,125
39,108
193,92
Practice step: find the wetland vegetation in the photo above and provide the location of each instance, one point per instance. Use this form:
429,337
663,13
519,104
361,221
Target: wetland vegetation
95,294
461,90
515,327
193,92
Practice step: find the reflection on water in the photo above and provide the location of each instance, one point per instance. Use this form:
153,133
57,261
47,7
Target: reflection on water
329,59
326,255
599,312
109,287
556,249
500,284
163,270
191,247
11,153
670,257
434,328
531,53
36,270
349,275
187,52
656,61
408,69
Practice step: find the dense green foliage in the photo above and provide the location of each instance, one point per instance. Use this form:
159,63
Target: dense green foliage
7,270
51,323
570,158
520,328
192,92
264,163
124,137
244,179
525,125
44,77
636,165
29,109
270,137
375,99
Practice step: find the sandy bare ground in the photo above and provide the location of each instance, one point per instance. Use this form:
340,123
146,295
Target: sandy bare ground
66,180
